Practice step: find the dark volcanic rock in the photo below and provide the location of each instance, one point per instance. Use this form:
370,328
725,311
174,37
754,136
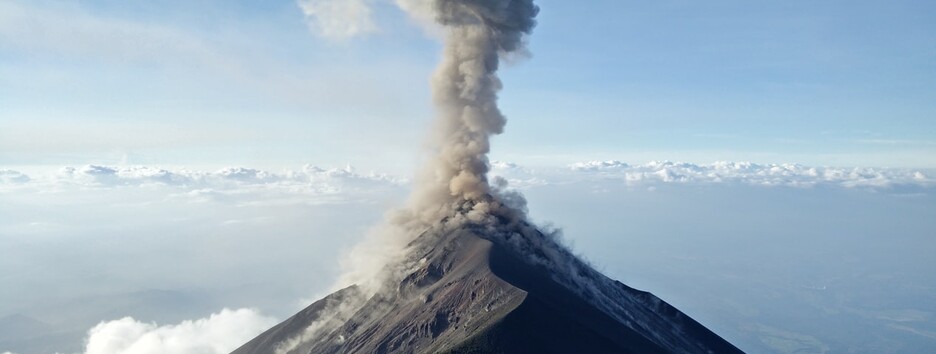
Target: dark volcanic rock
471,295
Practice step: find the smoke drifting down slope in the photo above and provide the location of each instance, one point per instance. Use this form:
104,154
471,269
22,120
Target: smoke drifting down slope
460,269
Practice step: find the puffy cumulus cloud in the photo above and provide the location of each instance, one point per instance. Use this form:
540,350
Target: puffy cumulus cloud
516,175
247,175
338,19
109,176
751,173
219,333
599,165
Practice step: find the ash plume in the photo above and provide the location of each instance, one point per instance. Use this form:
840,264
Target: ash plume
454,184
465,87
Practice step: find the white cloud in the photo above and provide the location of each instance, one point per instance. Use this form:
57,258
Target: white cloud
599,165
344,19
229,178
722,172
793,175
219,333
421,11
338,19
343,183
11,177
516,175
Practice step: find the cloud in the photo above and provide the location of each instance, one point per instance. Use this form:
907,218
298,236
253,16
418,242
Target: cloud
219,333
345,19
422,12
309,177
343,182
516,175
338,19
794,175
12,177
599,165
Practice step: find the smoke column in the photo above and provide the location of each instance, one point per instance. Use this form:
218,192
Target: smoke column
465,86
478,35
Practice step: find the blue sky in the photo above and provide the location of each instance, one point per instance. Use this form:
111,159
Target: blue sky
212,83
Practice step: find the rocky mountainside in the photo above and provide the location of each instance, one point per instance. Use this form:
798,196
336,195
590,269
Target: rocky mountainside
470,293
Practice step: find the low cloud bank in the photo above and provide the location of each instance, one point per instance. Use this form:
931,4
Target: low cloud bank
12,177
337,181
793,175
94,175
326,185
219,333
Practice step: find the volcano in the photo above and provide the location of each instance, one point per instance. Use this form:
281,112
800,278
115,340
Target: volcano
467,272
472,288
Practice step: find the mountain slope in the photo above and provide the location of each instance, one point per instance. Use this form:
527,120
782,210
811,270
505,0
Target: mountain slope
469,294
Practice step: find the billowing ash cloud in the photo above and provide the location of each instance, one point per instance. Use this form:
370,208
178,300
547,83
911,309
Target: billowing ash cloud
477,35
465,86
217,334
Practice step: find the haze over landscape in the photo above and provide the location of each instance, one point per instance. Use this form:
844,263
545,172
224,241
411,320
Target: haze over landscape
170,180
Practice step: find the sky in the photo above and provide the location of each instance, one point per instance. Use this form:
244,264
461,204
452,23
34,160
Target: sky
217,83
177,176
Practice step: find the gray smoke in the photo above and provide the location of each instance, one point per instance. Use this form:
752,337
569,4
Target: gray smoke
478,35
465,86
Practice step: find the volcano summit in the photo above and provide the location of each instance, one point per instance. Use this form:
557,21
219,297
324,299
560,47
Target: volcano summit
461,269
475,289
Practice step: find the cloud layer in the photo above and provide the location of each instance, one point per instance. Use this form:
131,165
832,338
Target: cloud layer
315,184
217,334
723,172
347,181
